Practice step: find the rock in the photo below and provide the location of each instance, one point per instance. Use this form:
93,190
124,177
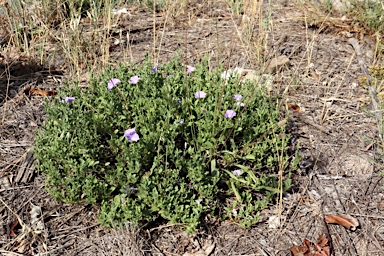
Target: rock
276,63
249,74
338,5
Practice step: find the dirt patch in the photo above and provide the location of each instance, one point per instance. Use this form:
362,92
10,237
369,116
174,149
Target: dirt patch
337,141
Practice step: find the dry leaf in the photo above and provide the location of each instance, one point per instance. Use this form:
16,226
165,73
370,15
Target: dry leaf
315,75
294,107
37,91
36,223
12,229
368,147
21,248
273,222
226,15
323,241
299,250
346,221
320,249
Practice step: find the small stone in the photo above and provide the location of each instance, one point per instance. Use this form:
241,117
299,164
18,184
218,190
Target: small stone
276,63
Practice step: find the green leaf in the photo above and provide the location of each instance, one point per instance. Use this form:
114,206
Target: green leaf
250,157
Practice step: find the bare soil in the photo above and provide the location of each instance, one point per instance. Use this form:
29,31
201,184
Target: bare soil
339,140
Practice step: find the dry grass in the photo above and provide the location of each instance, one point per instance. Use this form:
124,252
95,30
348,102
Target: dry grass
123,241
62,34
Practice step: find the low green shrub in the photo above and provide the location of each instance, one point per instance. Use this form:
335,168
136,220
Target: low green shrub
369,14
165,142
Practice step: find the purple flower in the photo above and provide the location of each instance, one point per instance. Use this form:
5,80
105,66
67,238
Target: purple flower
169,75
154,69
200,95
182,122
178,102
112,83
237,172
84,151
190,69
129,189
238,97
230,114
69,99
131,135
134,80
241,104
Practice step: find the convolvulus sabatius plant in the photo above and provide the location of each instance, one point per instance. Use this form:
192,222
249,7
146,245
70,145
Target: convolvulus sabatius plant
146,142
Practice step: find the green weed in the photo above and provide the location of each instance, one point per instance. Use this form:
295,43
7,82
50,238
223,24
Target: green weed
368,14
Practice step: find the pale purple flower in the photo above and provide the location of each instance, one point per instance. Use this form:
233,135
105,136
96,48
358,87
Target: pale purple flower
69,99
131,135
112,83
241,104
129,189
238,97
178,102
230,114
190,69
84,151
182,122
237,172
154,69
134,80
200,95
